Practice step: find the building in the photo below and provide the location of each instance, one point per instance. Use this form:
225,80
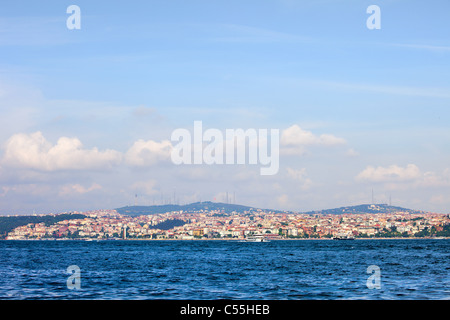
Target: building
198,232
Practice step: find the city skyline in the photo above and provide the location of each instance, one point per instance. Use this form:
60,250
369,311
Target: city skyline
87,114
217,224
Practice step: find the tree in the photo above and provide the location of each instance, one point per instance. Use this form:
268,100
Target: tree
445,231
433,230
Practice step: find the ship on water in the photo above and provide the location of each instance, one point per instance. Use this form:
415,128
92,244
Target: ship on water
256,238
343,237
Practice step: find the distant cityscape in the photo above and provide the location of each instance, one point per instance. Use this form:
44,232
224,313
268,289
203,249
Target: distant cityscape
220,223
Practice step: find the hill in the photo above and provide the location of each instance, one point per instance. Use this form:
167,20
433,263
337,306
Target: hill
9,223
365,208
193,207
229,208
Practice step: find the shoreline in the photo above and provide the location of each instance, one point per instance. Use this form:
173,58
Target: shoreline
233,240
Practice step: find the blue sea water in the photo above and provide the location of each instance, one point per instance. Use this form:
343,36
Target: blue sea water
277,270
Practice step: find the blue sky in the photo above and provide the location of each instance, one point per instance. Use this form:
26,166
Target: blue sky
137,71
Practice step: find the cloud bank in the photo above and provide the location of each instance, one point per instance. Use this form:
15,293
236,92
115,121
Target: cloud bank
33,151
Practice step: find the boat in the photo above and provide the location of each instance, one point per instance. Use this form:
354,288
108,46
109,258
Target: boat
256,238
343,237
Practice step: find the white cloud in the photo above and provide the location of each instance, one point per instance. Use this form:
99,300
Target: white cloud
145,187
352,153
300,176
33,151
401,178
294,140
28,190
78,189
147,153
283,200
432,179
390,174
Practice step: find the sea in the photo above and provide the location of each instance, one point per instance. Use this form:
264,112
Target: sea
394,269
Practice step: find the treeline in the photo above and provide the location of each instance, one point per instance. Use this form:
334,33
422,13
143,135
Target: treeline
426,232
7,224
168,224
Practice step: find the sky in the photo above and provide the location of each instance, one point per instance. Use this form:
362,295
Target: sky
86,115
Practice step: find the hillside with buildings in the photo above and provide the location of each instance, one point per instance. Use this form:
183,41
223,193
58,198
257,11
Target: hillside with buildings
216,221
366,208
192,207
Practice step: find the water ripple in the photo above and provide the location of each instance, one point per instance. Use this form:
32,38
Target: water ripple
410,269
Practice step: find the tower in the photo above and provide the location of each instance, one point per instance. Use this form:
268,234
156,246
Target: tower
125,232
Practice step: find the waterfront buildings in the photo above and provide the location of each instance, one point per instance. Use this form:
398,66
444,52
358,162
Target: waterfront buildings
214,224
